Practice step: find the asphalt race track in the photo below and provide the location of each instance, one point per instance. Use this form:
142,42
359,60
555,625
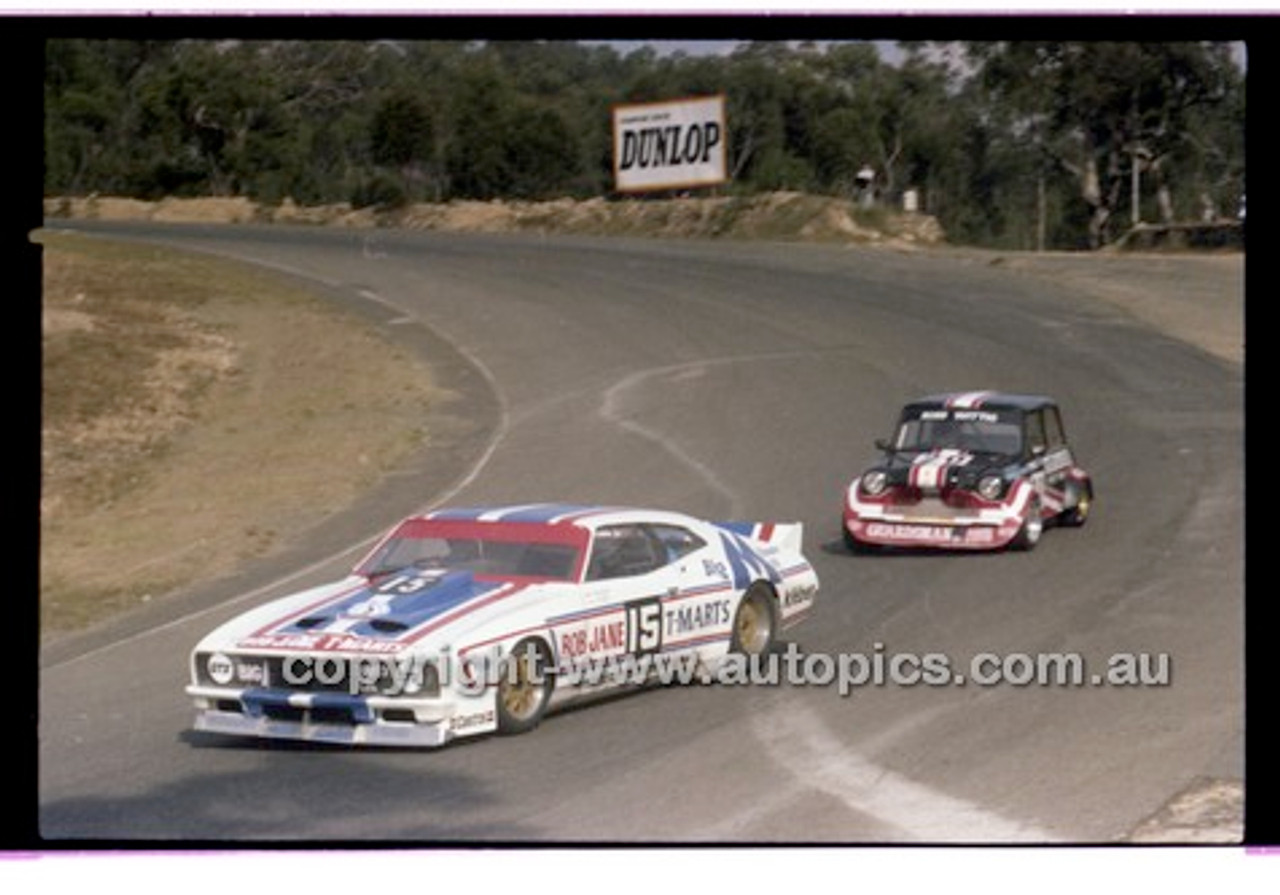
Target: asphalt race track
731,382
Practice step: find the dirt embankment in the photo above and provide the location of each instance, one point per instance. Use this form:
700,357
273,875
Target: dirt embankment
779,215
183,399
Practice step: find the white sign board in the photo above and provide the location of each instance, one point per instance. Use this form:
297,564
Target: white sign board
669,145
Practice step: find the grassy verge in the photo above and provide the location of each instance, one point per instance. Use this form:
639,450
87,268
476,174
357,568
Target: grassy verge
196,413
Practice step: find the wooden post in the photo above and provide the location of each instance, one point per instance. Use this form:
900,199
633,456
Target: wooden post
1040,212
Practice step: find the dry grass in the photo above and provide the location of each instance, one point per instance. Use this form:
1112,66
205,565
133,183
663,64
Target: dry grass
197,413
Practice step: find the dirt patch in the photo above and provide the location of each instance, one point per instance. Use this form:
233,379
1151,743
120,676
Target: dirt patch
1195,297
197,413
1209,812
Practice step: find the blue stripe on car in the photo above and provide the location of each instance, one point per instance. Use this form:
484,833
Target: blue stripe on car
744,563
544,513
428,597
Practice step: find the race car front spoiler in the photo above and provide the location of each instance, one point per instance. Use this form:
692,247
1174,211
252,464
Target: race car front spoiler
333,718
371,734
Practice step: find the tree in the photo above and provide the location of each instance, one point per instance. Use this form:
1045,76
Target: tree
1007,140
541,154
403,137
1103,112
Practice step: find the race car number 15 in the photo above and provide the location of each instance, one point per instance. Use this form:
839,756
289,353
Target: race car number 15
644,626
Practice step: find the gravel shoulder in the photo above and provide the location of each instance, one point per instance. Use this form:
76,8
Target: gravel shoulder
1198,299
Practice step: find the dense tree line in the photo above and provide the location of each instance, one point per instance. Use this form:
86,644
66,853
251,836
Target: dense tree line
1013,144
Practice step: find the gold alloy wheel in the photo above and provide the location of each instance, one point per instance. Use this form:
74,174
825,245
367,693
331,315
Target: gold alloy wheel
1083,504
524,688
753,624
1078,514
520,695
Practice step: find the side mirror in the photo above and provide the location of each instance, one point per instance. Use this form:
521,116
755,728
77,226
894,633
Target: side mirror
883,444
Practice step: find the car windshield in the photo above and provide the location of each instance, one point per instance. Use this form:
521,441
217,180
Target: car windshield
488,550
966,430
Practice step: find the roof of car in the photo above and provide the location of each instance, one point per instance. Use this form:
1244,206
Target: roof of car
982,400
551,514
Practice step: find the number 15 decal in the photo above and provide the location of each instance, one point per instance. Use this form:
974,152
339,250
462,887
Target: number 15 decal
644,626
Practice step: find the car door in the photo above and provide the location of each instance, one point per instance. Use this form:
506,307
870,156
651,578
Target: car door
664,586
1057,460
627,575
1035,445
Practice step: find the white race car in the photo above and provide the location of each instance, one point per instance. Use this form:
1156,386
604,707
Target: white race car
468,621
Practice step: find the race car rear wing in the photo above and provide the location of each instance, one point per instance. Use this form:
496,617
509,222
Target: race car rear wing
788,535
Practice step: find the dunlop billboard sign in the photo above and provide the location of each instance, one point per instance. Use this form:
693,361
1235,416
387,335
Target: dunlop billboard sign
669,145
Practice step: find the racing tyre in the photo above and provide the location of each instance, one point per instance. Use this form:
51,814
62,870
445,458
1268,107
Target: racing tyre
1032,528
755,623
1078,514
524,687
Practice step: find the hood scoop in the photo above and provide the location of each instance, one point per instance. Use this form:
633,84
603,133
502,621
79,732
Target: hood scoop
392,606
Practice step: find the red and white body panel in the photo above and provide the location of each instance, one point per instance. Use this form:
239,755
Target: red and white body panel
925,512
919,518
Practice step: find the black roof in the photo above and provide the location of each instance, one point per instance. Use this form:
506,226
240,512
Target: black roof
981,400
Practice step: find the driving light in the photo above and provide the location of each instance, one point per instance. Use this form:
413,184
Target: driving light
991,487
220,669
874,482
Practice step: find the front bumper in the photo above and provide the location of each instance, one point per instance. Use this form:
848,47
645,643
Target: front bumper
930,523
336,718
951,535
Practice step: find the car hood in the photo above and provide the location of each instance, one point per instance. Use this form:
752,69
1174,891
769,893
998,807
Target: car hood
940,466
385,615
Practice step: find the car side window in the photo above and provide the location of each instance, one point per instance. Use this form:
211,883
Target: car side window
1034,425
624,551
1054,436
676,541
908,434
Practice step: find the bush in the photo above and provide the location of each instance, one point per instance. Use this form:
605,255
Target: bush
381,191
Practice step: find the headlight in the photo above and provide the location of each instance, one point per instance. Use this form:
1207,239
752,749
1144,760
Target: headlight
422,680
874,482
990,487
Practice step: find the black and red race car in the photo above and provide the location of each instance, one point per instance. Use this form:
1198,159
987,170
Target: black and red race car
971,471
